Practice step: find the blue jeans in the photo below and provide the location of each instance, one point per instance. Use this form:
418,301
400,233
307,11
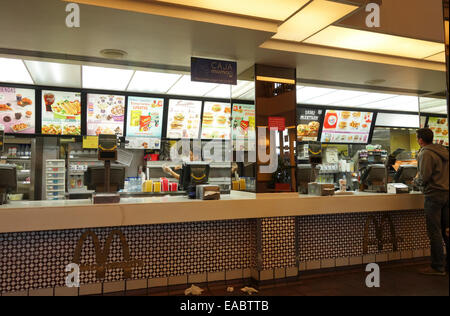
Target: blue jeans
436,210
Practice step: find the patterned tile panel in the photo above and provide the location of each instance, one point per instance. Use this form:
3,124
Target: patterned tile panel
38,259
342,235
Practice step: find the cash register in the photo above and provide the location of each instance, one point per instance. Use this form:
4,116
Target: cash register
374,179
8,181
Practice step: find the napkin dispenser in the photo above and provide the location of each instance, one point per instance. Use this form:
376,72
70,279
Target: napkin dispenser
397,188
207,192
320,189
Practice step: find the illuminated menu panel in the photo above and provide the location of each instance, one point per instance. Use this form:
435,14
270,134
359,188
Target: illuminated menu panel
144,117
216,121
346,127
61,113
184,119
105,114
17,110
440,129
308,124
243,121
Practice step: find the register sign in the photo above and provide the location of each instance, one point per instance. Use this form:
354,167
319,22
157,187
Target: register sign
213,71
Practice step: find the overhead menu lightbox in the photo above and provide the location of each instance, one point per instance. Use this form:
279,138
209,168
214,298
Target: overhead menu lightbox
398,120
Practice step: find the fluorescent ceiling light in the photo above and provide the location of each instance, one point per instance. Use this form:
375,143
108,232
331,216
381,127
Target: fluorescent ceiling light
222,91
267,9
276,80
366,98
55,74
438,57
242,87
186,87
249,96
106,78
308,93
341,37
399,103
152,82
14,71
311,19
339,97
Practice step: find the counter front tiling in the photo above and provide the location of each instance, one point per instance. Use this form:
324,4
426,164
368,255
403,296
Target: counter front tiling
177,241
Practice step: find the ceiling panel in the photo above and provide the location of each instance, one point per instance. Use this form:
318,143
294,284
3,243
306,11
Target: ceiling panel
152,82
106,78
191,88
55,74
14,71
311,19
341,37
267,9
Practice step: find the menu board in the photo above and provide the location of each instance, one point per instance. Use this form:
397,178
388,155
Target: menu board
61,113
216,121
17,110
243,121
184,119
440,129
346,127
308,121
144,117
106,114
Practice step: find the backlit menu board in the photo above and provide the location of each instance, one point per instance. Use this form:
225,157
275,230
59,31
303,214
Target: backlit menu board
308,124
144,117
61,113
17,110
346,127
216,122
440,129
243,121
184,119
105,114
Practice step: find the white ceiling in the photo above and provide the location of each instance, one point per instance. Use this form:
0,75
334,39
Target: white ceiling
169,43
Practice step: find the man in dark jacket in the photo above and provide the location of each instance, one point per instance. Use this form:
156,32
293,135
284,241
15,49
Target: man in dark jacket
433,173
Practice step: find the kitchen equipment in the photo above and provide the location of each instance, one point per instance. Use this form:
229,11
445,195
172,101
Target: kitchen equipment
320,189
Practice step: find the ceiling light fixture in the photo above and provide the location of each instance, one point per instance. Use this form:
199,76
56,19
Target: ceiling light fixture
346,38
14,71
314,17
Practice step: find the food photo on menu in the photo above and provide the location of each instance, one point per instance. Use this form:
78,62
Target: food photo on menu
346,127
105,114
308,124
184,119
17,110
440,129
61,113
243,121
216,121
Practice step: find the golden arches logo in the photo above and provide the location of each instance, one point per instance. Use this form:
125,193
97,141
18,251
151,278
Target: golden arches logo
101,255
380,240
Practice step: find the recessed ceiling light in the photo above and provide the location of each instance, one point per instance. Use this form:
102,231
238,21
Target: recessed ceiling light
14,71
106,78
379,43
311,19
267,9
152,82
55,74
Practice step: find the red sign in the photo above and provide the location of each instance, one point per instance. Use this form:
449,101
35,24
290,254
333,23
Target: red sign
278,123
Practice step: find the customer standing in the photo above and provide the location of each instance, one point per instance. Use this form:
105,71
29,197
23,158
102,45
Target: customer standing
433,173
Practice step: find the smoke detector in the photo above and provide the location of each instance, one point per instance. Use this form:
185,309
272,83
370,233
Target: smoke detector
113,53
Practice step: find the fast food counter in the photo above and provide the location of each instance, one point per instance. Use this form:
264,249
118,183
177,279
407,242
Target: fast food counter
180,241
26,216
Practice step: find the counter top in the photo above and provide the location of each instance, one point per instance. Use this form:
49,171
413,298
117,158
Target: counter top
75,214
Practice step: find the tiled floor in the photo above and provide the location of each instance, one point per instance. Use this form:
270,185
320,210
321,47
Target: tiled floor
397,279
